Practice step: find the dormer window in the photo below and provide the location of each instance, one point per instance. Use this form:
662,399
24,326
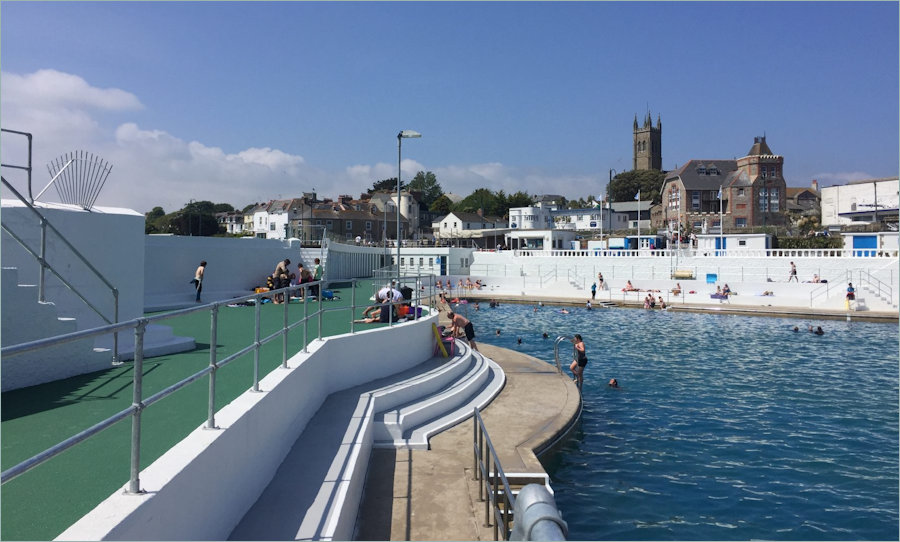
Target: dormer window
701,170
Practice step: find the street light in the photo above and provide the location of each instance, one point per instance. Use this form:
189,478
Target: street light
405,134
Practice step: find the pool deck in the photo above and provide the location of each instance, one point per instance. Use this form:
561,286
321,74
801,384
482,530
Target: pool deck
432,494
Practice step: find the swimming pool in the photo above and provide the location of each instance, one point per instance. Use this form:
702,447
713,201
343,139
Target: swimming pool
725,427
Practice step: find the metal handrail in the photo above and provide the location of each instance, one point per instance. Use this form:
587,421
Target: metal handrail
140,403
493,480
42,261
865,277
558,340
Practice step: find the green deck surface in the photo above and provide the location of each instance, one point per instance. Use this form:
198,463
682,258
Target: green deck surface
43,502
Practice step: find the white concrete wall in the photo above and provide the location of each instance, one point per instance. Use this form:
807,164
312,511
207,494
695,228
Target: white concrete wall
105,236
202,487
234,267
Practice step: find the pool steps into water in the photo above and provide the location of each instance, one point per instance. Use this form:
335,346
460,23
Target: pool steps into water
315,493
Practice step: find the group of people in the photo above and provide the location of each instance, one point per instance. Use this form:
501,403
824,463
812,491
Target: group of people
650,303
282,277
468,285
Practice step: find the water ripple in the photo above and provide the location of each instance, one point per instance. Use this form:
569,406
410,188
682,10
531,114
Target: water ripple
726,427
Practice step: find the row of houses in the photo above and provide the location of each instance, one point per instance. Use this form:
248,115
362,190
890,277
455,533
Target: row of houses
701,196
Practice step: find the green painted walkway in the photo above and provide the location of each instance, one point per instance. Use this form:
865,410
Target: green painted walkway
43,502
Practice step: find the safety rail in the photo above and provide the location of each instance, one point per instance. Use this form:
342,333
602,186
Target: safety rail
713,253
576,278
882,289
558,340
45,265
493,481
140,403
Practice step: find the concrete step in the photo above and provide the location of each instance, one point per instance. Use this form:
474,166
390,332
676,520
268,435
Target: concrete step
426,413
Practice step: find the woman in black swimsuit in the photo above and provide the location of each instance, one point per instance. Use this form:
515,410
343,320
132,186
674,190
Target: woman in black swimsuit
580,361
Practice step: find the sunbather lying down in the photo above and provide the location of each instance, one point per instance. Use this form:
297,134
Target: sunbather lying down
369,316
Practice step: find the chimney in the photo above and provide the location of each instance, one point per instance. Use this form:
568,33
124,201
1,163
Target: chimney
815,185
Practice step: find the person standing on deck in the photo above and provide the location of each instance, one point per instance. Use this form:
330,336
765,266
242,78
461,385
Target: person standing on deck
198,279
594,291
793,274
457,322
318,273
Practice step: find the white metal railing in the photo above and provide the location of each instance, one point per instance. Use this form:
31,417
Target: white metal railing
140,402
713,253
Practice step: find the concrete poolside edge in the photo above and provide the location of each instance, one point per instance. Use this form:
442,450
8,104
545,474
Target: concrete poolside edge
431,494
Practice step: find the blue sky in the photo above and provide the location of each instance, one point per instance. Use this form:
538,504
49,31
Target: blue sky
242,102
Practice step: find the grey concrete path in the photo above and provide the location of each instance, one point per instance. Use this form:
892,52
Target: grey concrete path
431,494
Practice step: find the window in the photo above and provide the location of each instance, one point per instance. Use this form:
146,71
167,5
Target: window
368,225
740,222
328,224
421,262
348,225
430,262
742,243
740,192
445,225
402,262
763,200
318,222
773,200
695,199
272,226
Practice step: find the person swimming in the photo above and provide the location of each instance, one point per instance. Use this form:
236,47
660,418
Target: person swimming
613,383
546,336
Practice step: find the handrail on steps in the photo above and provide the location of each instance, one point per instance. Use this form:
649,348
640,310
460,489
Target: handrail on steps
44,265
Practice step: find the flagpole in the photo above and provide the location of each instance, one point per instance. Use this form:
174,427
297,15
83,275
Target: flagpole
721,224
639,219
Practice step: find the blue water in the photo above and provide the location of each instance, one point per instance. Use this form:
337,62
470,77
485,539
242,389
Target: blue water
725,428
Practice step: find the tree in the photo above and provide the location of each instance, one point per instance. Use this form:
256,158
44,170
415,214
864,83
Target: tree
389,185
481,198
442,205
519,199
625,185
427,184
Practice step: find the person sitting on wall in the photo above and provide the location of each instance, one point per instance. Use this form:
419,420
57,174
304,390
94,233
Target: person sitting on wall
629,288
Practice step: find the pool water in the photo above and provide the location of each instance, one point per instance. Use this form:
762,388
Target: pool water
724,428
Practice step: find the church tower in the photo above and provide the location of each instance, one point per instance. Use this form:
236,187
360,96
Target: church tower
648,144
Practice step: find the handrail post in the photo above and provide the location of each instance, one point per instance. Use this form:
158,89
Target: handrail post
43,261
488,490
352,304
305,325
134,483
284,329
319,291
213,339
257,346
115,359
495,498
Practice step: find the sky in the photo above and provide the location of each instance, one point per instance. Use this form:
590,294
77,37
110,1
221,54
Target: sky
243,102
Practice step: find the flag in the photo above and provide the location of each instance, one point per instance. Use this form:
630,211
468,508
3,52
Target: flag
638,196
720,193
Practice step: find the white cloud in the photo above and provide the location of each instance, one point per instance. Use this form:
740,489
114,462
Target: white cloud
833,178
152,167
53,89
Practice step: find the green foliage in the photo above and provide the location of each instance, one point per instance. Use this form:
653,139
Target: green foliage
196,218
809,242
519,199
442,205
625,186
386,184
427,184
481,198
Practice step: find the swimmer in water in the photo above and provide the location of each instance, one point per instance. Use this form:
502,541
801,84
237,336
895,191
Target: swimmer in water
564,311
796,329
520,340
546,336
613,383
819,331
498,332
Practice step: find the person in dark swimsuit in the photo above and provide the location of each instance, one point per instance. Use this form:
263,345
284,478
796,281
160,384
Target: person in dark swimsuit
580,361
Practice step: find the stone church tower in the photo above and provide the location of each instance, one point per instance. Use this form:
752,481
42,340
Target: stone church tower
648,144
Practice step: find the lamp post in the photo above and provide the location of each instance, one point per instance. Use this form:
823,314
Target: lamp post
405,134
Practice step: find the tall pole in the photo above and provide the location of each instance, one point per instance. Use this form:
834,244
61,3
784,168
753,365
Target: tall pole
400,136
639,218
399,145
721,223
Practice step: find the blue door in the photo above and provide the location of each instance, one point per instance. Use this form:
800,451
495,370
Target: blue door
721,243
863,242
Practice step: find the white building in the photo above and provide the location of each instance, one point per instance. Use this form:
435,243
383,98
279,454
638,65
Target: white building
861,202
283,217
233,222
458,226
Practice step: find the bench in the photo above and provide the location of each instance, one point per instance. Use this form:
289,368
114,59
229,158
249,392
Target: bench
683,274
